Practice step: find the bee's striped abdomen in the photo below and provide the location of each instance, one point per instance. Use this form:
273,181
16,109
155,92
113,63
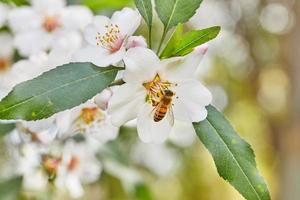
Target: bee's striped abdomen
160,113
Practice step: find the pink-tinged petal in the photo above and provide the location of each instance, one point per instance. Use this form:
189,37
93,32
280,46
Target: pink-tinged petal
125,103
98,56
76,17
150,131
103,98
181,68
136,41
194,96
141,65
97,26
32,42
24,18
128,20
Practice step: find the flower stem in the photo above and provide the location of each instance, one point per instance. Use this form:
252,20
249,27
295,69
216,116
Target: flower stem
162,40
150,38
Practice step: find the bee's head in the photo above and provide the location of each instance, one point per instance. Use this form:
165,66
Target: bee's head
168,93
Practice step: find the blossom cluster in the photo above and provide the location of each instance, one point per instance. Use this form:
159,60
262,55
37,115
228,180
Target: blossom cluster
159,97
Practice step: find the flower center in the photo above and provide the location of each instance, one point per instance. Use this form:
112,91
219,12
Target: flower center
88,119
51,164
51,23
89,115
155,89
4,64
111,40
74,163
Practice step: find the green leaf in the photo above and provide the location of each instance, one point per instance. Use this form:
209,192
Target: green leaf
97,5
16,2
142,192
180,45
234,158
62,88
173,12
145,9
176,37
6,128
10,189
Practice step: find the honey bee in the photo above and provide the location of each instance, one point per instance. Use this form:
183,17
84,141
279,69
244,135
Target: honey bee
164,107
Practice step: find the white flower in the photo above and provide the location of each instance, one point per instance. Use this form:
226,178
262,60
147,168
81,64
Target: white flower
6,54
156,91
42,131
40,27
79,165
107,38
87,119
136,41
158,158
183,140
4,10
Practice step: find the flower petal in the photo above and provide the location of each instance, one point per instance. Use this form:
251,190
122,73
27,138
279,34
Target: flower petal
125,103
6,47
194,97
33,42
181,68
98,56
128,20
150,131
136,41
24,18
183,134
141,65
76,17
97,26
48,7
4,10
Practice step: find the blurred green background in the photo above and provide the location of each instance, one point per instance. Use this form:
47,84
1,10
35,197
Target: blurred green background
253,70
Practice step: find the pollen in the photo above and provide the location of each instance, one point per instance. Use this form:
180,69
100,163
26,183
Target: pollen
4,64
89,118
155,89
88,115
51,163
111,39
51,23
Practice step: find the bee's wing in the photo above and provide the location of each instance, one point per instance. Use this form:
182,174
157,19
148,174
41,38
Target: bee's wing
170,116
157,107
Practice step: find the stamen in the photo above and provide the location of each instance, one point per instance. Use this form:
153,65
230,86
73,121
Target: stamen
51,23
111,39
89,118
73,164
155,89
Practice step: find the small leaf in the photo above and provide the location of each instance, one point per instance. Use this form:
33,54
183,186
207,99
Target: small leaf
6,128
145,9
62,88
173,12
10,189
233,157
176,37
183,44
